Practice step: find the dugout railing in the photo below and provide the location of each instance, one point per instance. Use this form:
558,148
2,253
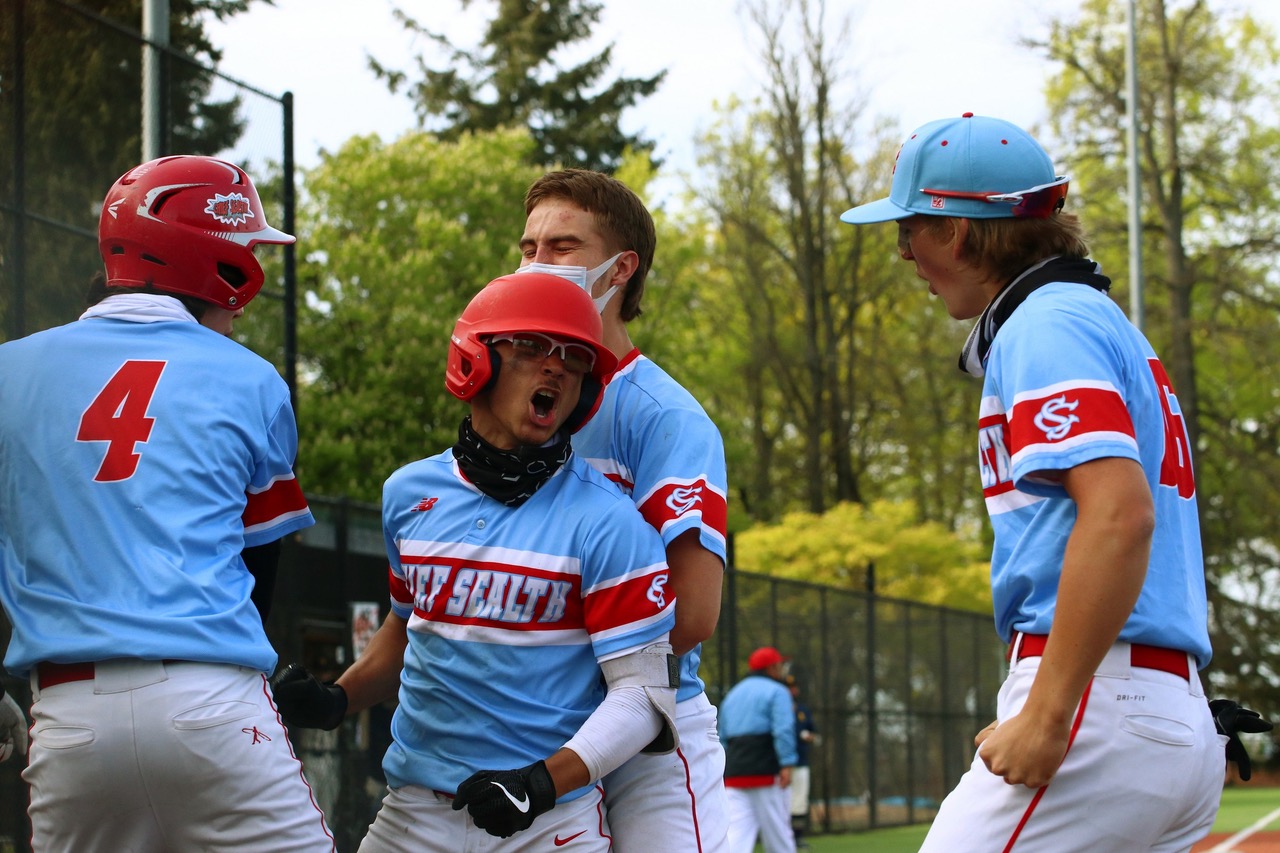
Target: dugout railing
898,688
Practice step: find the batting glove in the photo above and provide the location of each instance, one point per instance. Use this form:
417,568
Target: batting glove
503,802
1231,719
13,728
306,703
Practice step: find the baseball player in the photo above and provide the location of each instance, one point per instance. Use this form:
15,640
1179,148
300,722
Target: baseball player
758,725
1103,739
654,440
528,636
145,480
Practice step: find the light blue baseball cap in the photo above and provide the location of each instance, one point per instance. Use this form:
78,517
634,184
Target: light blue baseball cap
975,167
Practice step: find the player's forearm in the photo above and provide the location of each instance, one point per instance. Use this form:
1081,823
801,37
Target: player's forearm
375,676
1104,567
696,580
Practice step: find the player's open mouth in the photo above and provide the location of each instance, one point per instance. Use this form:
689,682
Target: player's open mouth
544,405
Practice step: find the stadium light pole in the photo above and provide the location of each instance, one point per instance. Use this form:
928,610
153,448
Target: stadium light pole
1136,312
155,29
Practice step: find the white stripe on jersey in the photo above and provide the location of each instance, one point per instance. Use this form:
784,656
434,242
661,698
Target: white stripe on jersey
472,552
614,470
1055,388
498,636
305,512
1073,442
610,583
257,490
1009,501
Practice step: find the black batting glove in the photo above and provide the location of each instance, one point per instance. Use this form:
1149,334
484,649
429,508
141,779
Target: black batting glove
503,802
1231,719
306,703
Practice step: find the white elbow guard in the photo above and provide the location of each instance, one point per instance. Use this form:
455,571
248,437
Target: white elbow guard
656,669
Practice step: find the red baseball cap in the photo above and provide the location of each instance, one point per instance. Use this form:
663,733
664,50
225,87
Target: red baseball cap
765,657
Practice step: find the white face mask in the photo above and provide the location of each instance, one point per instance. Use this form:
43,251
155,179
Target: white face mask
581,276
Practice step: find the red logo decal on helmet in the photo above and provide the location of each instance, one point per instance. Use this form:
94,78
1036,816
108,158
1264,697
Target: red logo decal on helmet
233,209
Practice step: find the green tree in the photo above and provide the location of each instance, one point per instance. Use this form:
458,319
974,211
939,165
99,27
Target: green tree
80,130
837,354
1209,151
403,234
913,561
514,77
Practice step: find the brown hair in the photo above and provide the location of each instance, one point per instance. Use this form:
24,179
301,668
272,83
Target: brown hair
1006,247
621,217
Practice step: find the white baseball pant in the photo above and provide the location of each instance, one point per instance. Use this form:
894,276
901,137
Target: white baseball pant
418,820
1144,772
674,801
150,755
763,812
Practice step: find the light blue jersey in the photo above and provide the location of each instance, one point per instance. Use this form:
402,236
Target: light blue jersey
655,441
137,461
1068,380
510,612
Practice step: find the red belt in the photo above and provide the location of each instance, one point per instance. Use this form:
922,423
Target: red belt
1147,657
51,674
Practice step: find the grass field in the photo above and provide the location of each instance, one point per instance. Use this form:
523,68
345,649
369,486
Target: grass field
1242,806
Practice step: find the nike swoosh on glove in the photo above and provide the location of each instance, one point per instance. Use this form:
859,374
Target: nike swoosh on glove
13,728
503,802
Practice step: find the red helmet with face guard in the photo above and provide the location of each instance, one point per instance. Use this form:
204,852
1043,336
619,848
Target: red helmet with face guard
186,225
527,302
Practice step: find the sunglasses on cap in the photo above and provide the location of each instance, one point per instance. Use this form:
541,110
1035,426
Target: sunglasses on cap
1039,202
535,347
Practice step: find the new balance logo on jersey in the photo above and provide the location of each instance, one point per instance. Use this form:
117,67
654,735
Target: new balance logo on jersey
681,500
424,505
1055,418
658,592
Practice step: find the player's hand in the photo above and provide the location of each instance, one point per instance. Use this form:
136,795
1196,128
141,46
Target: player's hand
13,728
1024,750
1230,720
503,802
306,703
985,733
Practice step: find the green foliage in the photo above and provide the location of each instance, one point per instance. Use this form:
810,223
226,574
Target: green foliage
514,78
80,127
922,562
397,239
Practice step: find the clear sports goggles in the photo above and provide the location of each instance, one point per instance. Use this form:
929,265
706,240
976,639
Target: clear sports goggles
535,347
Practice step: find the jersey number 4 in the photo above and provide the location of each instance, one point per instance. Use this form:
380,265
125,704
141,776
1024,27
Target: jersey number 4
118,415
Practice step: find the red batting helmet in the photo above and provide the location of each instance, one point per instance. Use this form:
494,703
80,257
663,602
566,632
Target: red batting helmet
528,302
765,657
186,225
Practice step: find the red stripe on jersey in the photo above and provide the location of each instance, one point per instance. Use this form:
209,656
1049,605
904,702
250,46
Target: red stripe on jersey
462,591
675,500
637,598
282,498
622,481
1067,414
994,464
400,592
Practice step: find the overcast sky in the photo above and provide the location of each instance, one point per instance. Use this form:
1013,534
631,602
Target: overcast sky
914,60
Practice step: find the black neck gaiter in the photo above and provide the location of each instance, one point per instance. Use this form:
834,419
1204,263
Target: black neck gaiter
509,476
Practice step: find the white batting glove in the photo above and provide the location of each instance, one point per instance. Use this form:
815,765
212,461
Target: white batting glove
13,728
